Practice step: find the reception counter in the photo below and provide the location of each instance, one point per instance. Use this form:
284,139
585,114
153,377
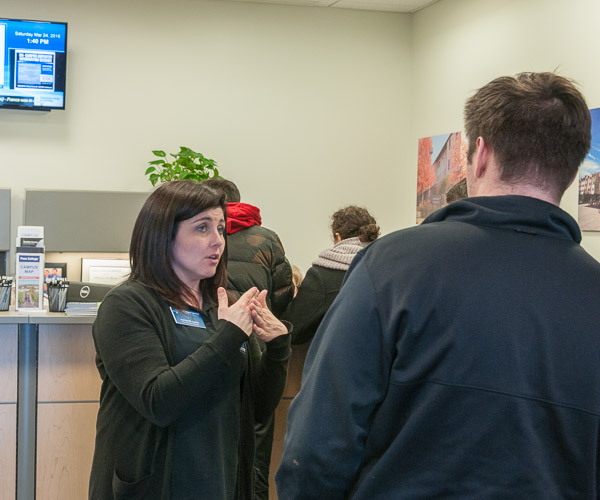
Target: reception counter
48,404
49,397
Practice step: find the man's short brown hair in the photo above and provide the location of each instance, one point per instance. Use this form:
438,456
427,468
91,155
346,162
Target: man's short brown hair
224,187
537,124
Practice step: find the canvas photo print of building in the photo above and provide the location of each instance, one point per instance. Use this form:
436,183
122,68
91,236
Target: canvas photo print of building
441,165
588,212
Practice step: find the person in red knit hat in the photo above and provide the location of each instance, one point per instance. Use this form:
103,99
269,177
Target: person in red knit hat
255,258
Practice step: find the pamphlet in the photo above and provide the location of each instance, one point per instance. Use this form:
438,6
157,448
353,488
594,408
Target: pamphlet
29,294
30,236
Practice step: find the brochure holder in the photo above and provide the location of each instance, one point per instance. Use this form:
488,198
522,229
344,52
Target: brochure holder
29,292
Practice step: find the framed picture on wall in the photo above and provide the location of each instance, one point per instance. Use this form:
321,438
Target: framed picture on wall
105,271
588,210
441,172
53,270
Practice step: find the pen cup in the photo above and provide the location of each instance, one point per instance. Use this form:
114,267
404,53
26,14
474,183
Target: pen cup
57,298
5,297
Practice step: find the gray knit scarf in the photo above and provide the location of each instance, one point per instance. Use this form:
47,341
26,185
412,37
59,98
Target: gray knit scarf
340,255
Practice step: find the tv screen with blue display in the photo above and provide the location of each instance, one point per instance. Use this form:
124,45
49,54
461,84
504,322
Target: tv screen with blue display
33,57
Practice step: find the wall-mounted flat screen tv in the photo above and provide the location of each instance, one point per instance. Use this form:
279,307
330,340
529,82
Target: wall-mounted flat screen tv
33,58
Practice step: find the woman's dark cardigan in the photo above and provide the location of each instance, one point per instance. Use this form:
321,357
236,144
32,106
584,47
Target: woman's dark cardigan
135,428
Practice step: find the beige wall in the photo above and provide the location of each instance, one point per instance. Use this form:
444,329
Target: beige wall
307,109
459,45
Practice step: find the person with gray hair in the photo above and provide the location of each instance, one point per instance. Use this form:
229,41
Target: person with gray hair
460,359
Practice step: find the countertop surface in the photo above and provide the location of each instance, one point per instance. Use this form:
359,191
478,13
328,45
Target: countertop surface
12,316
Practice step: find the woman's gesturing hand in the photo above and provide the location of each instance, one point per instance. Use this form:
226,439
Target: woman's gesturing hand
239,313
266,325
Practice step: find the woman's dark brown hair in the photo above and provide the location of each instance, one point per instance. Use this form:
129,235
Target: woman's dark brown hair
151,247
353,221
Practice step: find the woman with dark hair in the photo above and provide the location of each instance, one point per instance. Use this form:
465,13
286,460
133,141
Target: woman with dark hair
183,379
353,228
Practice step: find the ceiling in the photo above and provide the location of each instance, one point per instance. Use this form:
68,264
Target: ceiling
407,6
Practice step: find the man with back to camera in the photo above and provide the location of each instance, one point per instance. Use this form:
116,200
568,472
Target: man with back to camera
460,359
255,257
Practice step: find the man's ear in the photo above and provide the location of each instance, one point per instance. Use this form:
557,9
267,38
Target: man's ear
483,156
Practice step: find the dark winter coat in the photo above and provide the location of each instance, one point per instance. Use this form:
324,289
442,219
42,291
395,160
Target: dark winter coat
317,292
460,360
255,257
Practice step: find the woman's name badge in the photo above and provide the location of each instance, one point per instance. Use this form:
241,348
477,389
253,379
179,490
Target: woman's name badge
187,318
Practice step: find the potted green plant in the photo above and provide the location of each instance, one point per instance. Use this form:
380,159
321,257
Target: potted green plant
187,164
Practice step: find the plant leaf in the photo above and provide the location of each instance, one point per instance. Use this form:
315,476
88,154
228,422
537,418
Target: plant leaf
186,164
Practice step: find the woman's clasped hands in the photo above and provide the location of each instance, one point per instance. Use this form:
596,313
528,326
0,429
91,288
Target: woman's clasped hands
251,314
